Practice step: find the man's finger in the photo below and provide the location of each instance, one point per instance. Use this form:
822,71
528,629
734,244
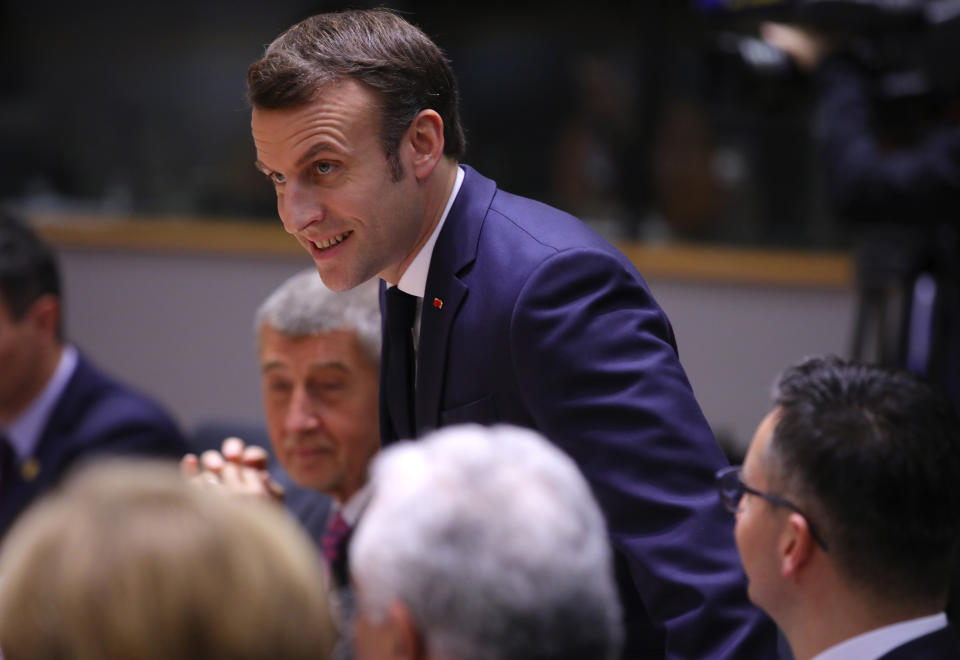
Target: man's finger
189,466
232,449
234,475
212,461
255,457
274,489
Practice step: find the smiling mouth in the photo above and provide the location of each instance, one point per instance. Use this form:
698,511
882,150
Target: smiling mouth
330,242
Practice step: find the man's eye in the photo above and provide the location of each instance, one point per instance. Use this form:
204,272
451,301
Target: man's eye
325,386
276,177
324,167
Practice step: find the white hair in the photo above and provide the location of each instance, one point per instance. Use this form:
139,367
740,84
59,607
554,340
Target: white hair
493,540
303,306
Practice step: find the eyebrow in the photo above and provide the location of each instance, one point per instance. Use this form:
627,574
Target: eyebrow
310,154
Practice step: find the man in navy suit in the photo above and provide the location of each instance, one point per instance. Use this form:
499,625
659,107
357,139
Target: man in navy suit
848,513
501,309
56,408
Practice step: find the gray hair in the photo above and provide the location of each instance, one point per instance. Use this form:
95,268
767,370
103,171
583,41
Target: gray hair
303,306
493,540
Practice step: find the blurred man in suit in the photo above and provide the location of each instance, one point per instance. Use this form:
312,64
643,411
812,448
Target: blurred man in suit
56,407
319,355
483,543
848,513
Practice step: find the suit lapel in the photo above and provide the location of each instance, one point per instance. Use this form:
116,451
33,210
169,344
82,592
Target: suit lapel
454,252
435,324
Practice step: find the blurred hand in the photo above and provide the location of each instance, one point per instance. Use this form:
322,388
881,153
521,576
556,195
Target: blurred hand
237,469
805,46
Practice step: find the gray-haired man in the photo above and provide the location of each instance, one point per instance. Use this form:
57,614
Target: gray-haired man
483,542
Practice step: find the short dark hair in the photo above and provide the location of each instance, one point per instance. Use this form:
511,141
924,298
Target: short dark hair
377,48
28,266
874,456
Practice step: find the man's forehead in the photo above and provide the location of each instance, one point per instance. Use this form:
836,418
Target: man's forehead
323,346
346,97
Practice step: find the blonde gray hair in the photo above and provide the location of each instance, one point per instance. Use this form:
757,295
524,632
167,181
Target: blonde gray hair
130,561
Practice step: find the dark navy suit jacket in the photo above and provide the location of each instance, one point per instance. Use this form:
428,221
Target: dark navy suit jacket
531,318
939,645
95,415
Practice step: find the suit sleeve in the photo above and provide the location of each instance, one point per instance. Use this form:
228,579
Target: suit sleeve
596,359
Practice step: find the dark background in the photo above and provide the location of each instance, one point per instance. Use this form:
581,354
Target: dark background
626,114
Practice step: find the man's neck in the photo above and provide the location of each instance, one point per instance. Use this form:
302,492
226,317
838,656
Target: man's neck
33,385
438,187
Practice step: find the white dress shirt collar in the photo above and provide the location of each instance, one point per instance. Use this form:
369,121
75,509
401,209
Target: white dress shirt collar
24,432
414,278
875,643
354,506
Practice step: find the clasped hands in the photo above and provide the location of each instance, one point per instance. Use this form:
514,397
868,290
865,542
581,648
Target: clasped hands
237,469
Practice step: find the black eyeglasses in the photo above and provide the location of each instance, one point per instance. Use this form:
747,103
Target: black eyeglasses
731,488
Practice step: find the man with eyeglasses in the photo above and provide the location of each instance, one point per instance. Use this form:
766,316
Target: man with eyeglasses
848,513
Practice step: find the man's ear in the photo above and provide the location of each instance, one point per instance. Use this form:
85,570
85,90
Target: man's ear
44,315
796,546
425,137
408,643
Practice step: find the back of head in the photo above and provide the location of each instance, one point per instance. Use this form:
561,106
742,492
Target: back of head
493,541
302,306
28,267
375,47
129,561
874,457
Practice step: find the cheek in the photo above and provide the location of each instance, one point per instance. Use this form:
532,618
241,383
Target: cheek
275,414
741,534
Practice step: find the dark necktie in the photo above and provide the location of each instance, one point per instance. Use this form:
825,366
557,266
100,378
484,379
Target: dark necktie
8,462
8,458
400,362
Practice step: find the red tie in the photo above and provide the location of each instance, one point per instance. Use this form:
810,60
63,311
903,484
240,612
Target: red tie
333,538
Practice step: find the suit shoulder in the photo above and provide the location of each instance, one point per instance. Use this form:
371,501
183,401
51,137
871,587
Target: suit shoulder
521,235
543,223
97,408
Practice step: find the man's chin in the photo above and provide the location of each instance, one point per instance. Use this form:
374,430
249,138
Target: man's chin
312,480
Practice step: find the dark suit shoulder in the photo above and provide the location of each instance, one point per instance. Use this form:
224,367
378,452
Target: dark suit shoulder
95,411
941,644
548,225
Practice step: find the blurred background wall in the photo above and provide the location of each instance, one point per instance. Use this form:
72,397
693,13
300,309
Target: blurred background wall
180,327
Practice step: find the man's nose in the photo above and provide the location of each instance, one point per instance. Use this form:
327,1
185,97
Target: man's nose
298,207
302,415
